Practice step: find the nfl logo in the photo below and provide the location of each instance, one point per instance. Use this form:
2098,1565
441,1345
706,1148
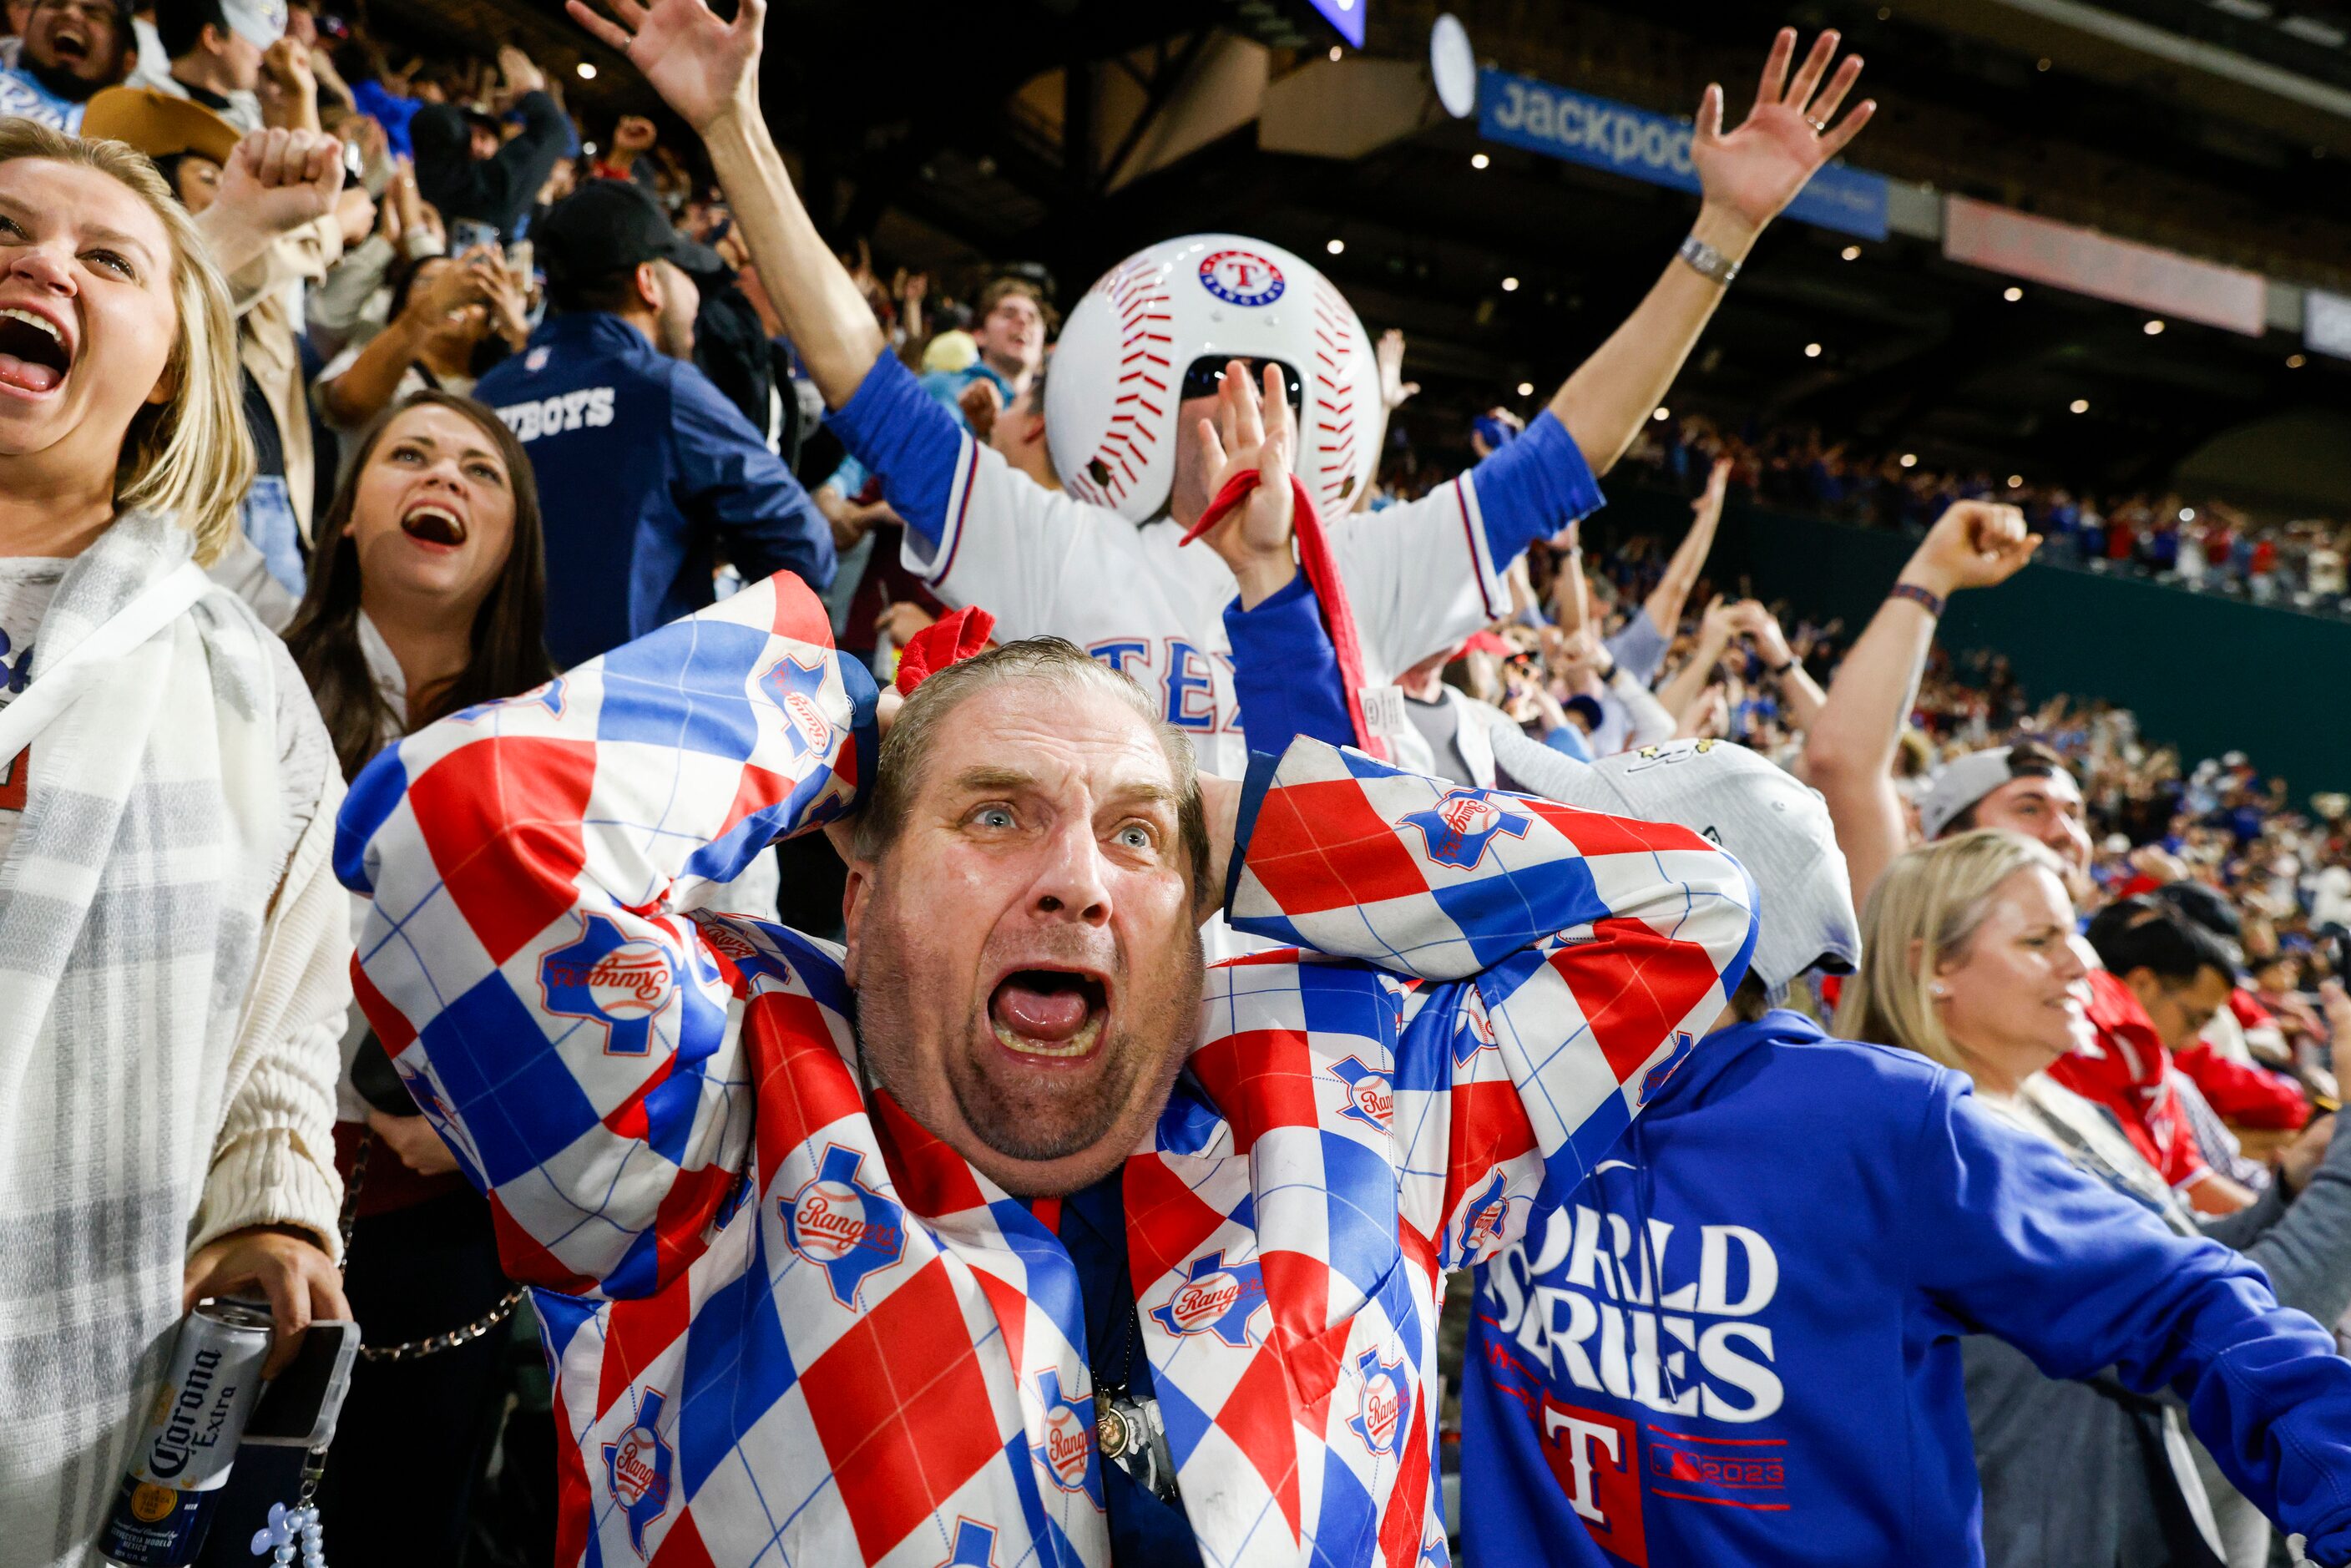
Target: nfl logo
1242,277
535,360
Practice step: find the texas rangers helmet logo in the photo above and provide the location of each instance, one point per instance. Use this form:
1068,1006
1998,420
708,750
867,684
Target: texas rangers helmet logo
1068,1438
637,1468
797,688
617,981
843,1227
1214,1297
1458,828
1369,1099
1384,1407
1242,277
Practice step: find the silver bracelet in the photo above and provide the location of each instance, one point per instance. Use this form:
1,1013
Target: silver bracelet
1707,262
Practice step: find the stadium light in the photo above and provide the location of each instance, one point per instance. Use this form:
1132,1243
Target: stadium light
1509,286
2012,294
1663,413
587,72
1335,53
2043,64
1851,253
1811,350
2187,514
2080,405
1479,159
2294,362
1336,247
2154,329
1526,388
2016,481
1909,460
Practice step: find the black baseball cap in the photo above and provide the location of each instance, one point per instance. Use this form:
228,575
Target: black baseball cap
611,226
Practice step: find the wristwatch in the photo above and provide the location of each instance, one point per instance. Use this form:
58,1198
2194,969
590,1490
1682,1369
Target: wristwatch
1709,263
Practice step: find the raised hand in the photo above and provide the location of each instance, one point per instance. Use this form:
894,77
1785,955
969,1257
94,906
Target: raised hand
1756,170
277,181
1257,435
1707,506
1394,390
1975,544
702,67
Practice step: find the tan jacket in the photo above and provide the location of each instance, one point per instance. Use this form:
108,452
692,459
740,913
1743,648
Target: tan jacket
266,293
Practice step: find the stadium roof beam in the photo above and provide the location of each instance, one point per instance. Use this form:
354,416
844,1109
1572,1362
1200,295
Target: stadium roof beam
2124,51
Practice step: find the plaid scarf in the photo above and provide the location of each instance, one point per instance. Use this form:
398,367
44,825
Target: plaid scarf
132,903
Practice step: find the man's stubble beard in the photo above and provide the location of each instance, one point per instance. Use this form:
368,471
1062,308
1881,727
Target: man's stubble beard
1026,1126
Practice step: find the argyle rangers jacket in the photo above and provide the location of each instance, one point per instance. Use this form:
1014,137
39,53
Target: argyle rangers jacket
787,1325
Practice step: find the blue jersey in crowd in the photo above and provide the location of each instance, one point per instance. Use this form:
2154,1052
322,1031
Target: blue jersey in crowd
644,471
1739,1341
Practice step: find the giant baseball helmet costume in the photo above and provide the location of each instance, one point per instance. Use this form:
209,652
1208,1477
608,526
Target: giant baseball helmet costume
1118,373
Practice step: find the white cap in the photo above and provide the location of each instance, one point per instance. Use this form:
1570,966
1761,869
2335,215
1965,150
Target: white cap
260,23
1779,828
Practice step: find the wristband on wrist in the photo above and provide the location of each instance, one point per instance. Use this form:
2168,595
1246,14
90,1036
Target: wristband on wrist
1925,599
1707,262
1608,672
1779,671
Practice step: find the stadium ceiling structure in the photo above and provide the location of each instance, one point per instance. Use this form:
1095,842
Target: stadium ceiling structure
1069,132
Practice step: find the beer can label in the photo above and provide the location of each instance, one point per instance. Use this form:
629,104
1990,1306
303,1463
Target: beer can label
201,1410
156,1526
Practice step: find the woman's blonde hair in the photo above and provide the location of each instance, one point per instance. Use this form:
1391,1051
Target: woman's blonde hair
1936,895
188,457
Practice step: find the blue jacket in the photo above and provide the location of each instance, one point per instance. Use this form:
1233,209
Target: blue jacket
1740,1343
644,469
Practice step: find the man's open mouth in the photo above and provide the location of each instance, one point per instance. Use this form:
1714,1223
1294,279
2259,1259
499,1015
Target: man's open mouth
33,353
69,47
433,525
1048,1012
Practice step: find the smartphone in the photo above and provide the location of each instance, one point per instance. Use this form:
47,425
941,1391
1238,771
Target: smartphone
467,234
299,1407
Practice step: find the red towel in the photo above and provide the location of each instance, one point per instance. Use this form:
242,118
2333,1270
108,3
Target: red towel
1323,575
951,639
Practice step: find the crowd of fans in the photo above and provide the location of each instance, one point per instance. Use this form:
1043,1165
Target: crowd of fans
433,268
2202,544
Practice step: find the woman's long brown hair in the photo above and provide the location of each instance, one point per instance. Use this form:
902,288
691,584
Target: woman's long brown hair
509,649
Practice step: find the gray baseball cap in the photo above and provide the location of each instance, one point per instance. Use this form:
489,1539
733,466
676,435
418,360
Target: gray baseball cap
1965,780
1779,828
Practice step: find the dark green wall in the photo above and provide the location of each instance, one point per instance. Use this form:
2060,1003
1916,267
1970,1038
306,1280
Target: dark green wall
2207,673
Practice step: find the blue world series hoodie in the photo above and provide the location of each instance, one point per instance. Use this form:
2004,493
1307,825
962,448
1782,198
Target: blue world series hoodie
1737,1345
1740,1342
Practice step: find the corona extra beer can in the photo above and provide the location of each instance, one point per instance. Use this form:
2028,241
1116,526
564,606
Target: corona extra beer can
182,1459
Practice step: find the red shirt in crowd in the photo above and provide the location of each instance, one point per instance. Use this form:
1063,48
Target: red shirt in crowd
2124,1071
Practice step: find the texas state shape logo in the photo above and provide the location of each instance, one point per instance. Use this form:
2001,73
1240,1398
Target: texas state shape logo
1460,829
1382,1405
618,982
1369,1099
1214,1297
1068,1438
637,1468
843,1225
799,690
975,1546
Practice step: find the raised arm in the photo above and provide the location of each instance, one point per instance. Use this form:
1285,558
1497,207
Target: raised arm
708,70
1665,601
1745,178
1849,751
528,961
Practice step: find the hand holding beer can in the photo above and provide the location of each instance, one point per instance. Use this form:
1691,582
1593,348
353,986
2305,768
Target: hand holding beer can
165,1505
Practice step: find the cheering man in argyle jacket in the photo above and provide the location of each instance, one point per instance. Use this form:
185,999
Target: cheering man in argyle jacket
884,1254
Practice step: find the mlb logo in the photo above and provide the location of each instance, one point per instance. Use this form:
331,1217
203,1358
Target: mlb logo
1242,277
1459,829
620,983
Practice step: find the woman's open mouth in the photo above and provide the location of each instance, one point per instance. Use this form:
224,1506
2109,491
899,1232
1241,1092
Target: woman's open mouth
1053,1013
435,524
34,358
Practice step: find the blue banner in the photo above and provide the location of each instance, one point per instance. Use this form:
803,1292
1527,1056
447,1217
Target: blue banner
1347,16
1524,113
